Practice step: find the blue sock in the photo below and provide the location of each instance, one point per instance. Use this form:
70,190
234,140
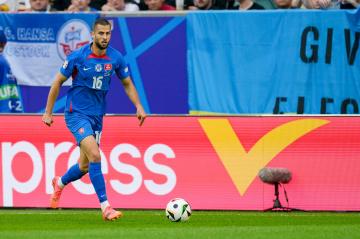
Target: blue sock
97,180
74,173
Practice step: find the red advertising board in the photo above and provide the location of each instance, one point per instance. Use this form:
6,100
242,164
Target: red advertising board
212,162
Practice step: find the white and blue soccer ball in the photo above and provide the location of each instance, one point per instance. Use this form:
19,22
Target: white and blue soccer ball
178,210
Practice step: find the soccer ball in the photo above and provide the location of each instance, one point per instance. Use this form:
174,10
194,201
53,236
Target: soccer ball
178,210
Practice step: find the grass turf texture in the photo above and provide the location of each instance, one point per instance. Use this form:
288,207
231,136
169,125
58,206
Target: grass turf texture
28,223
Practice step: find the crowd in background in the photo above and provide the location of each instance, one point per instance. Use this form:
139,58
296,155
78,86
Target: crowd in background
8,84
164,5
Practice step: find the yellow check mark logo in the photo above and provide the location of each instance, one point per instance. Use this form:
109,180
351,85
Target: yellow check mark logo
243,166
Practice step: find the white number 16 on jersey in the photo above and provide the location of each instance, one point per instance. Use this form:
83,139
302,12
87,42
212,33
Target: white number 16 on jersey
97,82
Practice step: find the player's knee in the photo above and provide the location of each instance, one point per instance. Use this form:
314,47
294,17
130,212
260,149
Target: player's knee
94,156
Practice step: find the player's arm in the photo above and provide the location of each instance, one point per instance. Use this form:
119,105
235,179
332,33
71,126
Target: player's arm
134,97
53,94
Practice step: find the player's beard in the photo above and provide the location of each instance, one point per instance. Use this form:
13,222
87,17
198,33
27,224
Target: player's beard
101,46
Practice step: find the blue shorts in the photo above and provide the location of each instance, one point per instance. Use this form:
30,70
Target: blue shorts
82,125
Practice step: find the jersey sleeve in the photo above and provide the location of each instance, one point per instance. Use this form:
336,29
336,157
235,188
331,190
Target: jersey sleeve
68,66
122,69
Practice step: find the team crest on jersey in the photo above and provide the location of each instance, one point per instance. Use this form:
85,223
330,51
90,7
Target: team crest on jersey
65,65
72,35
108,67
81,130
98,68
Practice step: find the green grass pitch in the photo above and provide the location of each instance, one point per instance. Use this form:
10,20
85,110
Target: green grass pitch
149,224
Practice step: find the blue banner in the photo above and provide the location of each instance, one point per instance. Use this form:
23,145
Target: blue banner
277,62
39,43
154,47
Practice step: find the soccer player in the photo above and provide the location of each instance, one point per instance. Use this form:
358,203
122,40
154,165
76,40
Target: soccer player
91,68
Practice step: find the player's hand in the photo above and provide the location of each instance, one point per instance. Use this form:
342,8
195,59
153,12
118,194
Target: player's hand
324,4
47,119
140,114
73,8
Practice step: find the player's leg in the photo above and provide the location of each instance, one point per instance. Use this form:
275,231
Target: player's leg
74,173
83,162
80,127
91,149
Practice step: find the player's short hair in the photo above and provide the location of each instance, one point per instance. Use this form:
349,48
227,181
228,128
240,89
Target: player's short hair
101,21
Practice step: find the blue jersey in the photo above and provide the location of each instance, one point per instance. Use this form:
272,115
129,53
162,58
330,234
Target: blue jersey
91,76
10,99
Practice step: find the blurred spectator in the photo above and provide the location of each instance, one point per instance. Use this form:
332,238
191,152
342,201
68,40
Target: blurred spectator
4,7
22,5
216,4
120,5
63,5
283,4
39,6
296,3
80,6
9,5
143,6
331,4
158,5
10,99
244,5
203,5
349,4
317,4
